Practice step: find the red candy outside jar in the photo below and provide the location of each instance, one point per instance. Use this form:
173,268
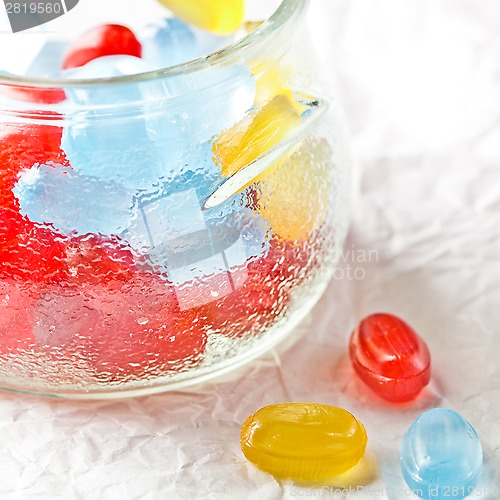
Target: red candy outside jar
390,357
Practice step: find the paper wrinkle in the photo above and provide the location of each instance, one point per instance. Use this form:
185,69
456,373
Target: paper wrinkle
419,83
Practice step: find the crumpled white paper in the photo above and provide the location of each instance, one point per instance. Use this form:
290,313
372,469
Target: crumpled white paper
419,80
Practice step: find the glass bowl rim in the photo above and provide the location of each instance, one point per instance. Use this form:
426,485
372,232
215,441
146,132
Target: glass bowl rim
287,11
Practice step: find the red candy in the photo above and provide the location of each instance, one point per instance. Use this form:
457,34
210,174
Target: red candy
22,146
93,259
261,294
16,317
27,250
33,94
104,40
390,357
29,253
151,335
128,331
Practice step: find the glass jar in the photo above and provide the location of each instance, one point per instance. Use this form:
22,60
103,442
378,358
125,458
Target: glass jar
161,228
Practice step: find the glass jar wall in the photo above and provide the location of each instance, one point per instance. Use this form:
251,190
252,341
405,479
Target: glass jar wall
159,228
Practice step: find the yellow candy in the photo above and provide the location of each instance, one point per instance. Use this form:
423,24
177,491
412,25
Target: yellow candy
219,16
273,81
295,189
249,139
303,441
295,197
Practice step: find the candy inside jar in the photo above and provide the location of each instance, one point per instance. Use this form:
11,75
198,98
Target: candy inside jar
159,223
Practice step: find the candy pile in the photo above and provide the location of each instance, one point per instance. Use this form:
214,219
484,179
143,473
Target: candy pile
314,444
108,254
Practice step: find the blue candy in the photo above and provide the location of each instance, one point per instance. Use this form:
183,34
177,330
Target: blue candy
118,152
118,94
441,456
73,203
190,245
119,134
167,43
159,122
211,100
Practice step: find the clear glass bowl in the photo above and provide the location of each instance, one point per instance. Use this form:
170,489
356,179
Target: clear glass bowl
159,229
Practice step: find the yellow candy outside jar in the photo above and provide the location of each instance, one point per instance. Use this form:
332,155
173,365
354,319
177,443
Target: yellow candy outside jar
303,441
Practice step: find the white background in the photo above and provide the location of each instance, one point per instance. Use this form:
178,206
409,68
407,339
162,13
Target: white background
420,84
